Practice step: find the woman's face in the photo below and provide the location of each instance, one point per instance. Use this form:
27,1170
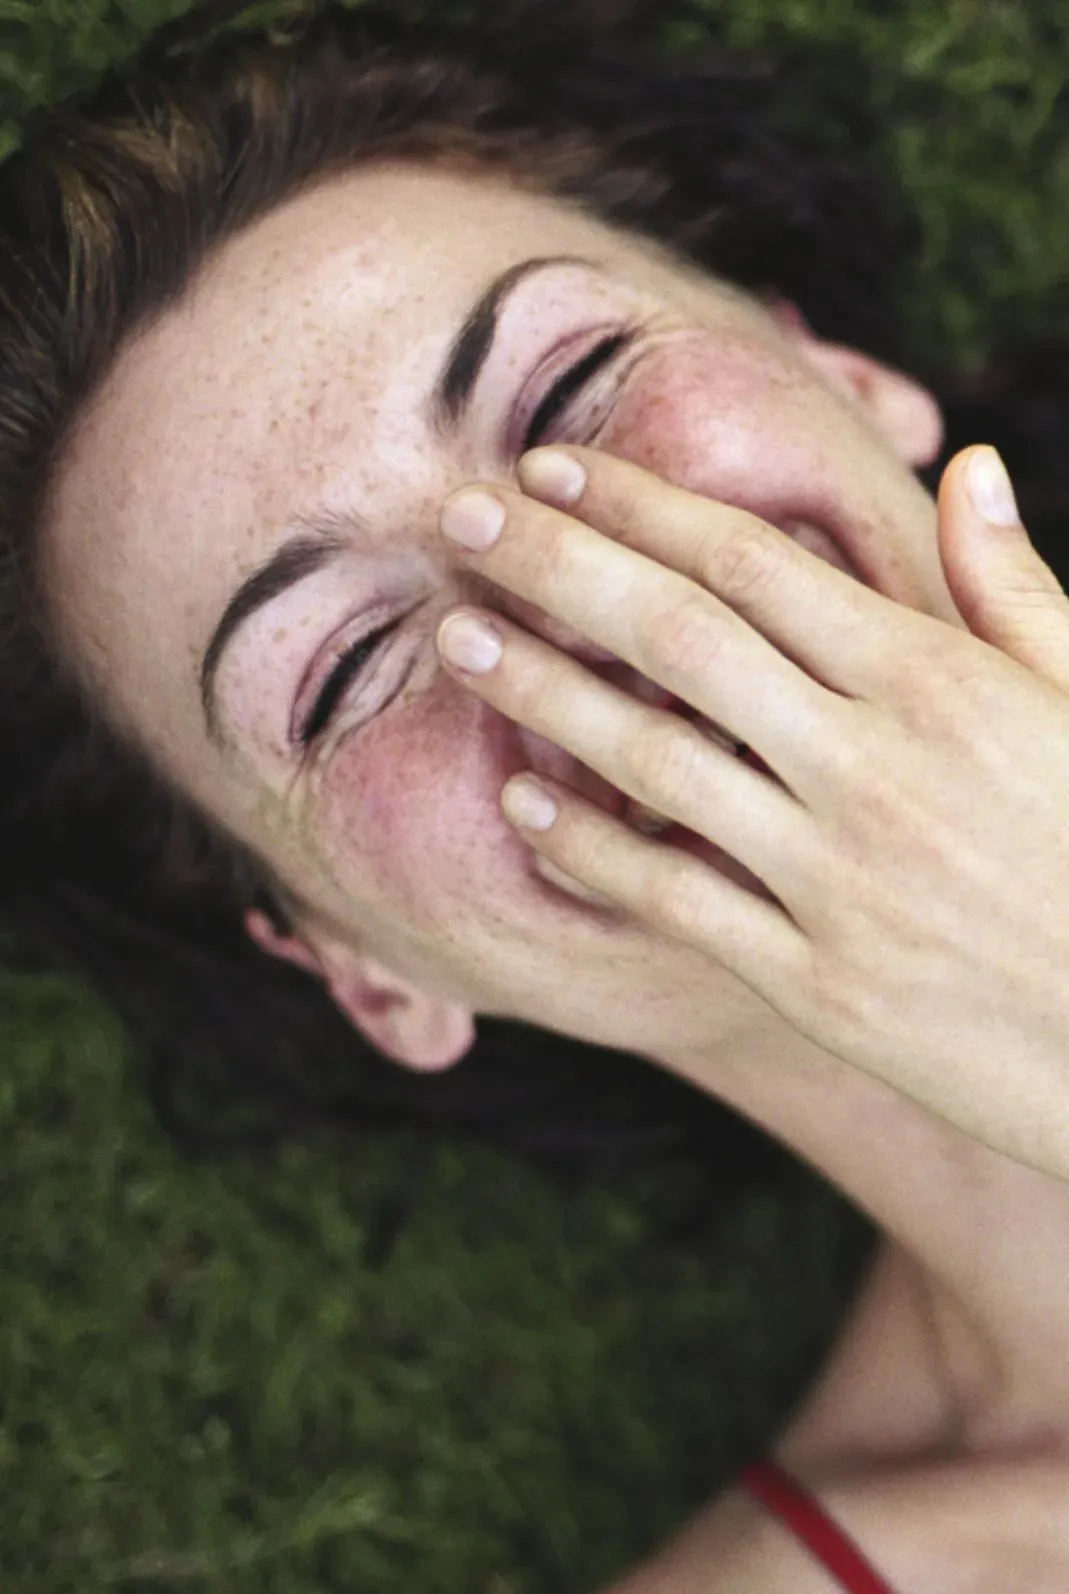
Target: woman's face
291,395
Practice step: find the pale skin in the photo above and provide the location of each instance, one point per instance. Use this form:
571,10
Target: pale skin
907,813
296,375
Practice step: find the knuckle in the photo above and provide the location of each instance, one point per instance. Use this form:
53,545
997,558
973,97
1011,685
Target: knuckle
939,688
686,635
876,810
662,767
676,896
913,671
588,853
854,751
743,565
979,686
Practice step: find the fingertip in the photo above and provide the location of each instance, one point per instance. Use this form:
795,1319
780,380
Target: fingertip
953,497
953,477
552,475
989,488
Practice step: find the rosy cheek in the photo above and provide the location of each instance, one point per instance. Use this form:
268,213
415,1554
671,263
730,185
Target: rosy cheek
720,415
408,814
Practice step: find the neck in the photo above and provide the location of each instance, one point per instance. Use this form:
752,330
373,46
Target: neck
987,1232
856,1132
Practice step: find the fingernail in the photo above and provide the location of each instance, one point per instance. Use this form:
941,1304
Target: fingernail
989,488
472,518
526,802
549,474
468,643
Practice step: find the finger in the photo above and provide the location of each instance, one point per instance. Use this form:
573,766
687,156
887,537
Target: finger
663,886
1006,594
665,625
649,754
841,631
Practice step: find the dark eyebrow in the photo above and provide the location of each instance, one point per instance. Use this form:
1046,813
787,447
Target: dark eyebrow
467,355
297,558
326,535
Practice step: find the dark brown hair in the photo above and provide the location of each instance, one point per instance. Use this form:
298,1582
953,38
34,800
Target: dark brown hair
107,211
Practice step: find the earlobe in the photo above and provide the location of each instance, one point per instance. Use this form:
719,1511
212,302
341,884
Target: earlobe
422,1031
428,1037
411,1026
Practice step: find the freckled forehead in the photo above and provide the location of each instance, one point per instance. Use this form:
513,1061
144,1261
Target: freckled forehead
314,301
293,362
316,292
365,275
299,352
264,383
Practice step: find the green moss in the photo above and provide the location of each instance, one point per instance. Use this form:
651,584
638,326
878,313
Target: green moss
205,1385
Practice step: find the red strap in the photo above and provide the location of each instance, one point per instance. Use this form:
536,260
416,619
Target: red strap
785,1497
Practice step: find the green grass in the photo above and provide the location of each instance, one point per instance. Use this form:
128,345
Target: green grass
205,1385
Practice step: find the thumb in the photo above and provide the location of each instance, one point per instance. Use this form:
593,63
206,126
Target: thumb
1006,594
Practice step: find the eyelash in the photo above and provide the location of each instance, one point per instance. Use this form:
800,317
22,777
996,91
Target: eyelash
349,664
355,657
575,378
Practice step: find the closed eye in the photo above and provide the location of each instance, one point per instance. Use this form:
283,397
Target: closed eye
355,658
351,662
570,383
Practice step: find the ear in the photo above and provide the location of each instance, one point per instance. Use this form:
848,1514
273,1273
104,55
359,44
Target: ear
425,1032
904,413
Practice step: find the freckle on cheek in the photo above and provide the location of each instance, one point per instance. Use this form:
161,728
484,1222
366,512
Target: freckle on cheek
369,817
409,822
